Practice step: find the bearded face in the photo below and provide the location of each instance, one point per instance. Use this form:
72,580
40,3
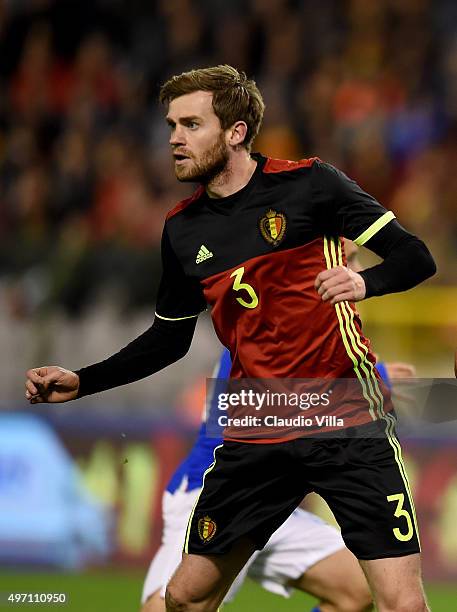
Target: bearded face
197,139
201,166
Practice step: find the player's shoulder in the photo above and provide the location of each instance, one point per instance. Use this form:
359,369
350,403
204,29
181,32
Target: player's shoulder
328,177
277,166
310,170
184,204
316,164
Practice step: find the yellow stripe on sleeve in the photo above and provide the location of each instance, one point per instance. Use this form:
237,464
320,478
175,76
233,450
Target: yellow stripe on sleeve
374,228
177,319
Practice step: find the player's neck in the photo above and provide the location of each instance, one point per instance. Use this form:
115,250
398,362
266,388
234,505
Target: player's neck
236,175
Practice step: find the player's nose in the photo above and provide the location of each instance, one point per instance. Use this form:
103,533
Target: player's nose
177,137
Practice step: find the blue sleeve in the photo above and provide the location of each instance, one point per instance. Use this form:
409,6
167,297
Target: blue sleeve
382,369
190,472
225,365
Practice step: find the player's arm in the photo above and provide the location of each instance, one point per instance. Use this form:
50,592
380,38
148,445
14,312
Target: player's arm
168,339
162,344
406,261
350,212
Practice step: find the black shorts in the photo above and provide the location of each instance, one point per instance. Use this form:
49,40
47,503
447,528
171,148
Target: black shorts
251,489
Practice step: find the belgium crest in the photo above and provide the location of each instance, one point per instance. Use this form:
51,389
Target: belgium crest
272,227
206,529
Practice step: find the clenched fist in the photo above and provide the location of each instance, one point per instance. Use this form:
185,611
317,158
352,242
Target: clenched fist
51,384
340,284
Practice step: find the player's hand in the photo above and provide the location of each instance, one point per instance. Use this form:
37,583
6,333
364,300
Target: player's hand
400,370
455,364
401,374
51,384
340,284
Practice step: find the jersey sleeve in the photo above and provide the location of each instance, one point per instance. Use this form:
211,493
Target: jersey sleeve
344,208
179,296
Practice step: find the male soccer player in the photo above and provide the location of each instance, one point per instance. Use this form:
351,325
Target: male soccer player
304,553
259,241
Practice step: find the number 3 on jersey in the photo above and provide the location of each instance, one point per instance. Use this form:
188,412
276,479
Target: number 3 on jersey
401,512
239,286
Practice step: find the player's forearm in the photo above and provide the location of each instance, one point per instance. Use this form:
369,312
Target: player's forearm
161,345
407,262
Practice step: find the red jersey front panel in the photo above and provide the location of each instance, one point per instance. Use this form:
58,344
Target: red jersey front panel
253,257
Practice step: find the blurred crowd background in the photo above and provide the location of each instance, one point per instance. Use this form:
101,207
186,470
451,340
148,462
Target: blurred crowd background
85,170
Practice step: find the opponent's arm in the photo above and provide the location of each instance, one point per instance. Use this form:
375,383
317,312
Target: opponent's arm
161,345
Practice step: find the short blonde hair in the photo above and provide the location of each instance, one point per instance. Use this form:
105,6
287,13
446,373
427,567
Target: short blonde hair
235,97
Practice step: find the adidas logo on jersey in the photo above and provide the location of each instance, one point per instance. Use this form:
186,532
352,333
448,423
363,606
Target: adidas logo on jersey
203,254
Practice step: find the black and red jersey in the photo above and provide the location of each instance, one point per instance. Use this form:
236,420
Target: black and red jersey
253,258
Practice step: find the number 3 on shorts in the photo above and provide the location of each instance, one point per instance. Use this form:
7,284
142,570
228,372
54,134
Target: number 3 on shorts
401,512
238,286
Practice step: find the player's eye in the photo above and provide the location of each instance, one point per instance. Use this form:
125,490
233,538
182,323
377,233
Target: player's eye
193,125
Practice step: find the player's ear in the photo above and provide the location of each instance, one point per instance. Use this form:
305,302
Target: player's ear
237,133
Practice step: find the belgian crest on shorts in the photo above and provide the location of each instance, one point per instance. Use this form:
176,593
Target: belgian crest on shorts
272,226
206,529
